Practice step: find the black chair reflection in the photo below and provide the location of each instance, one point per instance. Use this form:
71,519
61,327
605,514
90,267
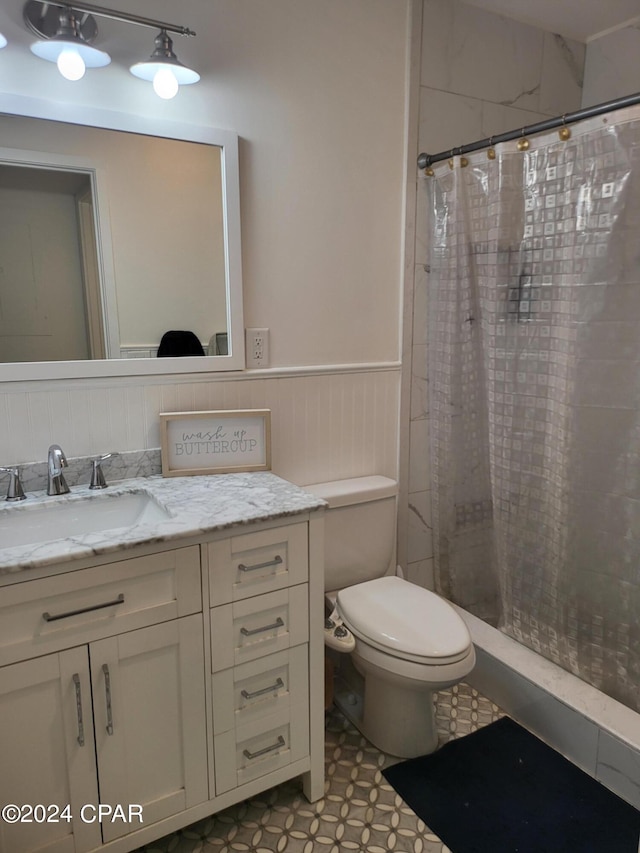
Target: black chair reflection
179,343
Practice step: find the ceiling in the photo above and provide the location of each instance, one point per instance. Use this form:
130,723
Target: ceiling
582,20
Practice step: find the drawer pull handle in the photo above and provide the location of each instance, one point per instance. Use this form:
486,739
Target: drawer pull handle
76,681
275,562
250,632
107,693
271,689
276,745
49,618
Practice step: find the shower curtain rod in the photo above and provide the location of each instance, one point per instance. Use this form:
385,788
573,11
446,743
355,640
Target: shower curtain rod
426,160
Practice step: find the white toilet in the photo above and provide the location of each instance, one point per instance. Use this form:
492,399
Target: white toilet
409,642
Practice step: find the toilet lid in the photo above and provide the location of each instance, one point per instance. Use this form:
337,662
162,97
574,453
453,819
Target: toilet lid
401,618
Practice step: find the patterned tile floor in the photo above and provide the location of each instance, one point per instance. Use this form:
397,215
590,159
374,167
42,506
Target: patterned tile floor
359,812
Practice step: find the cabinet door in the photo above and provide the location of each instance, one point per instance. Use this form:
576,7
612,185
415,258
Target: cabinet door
46,739
149,713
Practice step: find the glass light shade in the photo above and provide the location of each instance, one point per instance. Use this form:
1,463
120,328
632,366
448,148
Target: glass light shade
3,41
53,47
148,71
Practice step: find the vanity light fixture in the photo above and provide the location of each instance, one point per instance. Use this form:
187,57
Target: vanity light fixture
66,32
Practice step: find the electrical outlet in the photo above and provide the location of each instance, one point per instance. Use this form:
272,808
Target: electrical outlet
257,347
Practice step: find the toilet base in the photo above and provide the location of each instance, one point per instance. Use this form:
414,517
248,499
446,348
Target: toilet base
399,709
392,701
404,727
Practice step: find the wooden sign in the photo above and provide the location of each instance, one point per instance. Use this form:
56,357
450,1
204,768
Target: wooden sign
218,442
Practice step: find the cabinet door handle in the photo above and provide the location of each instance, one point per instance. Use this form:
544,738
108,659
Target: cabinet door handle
275,562
276,745
49,618
76,682
271,689
250,632
107,693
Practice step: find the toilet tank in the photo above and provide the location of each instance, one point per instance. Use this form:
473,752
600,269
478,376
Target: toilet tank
360,527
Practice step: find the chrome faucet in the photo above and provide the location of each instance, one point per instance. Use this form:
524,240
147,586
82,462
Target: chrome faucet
56,461
97,476
14,490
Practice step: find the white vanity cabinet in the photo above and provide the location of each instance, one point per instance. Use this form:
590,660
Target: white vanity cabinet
178,681
117,717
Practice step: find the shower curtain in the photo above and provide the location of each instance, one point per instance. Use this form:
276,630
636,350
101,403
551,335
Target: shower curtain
534,393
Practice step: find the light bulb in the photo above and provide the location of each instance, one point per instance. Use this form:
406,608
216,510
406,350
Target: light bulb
165,84
70,64
3,41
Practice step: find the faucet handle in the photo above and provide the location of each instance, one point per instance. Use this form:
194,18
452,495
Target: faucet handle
15,491
97,477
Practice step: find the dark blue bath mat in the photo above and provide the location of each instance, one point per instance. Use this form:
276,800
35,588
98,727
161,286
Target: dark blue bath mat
502,790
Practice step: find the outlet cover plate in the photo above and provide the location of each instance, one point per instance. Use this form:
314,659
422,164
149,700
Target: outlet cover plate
257,348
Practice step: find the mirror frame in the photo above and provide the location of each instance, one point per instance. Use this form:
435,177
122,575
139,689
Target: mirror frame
226,140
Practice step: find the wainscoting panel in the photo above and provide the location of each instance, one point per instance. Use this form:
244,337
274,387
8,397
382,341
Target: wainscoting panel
326,423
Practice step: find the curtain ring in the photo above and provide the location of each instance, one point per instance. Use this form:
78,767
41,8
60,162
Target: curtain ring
564,133
491,151
523,142
463,160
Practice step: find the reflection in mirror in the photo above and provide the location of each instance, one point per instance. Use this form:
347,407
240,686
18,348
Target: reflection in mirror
165,236
112,235
44,271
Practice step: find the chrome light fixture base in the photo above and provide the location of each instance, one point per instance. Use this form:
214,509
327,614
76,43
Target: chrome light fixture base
44,20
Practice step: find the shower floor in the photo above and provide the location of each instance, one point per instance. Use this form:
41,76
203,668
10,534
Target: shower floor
360,810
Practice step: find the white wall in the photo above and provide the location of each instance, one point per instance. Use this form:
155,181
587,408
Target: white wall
611,66
316,92
480,74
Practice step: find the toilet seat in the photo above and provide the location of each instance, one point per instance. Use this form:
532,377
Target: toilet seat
405,621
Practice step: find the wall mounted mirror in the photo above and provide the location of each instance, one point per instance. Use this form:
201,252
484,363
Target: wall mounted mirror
113,231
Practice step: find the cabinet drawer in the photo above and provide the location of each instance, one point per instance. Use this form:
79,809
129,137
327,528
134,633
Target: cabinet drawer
259,626
259,562
46,615
260,748
260,688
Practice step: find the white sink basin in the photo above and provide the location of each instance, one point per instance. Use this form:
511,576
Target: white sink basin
48,521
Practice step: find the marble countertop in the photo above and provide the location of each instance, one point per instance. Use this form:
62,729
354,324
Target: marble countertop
195,505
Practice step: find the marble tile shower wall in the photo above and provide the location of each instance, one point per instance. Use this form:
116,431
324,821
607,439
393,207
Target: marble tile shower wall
611,67
481,74
325,426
